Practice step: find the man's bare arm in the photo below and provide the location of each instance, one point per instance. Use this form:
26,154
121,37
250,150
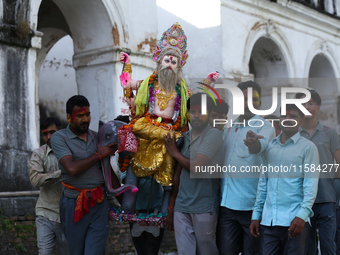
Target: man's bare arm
73,167
170,216
186,163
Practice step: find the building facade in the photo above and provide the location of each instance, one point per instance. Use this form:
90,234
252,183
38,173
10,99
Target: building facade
280,43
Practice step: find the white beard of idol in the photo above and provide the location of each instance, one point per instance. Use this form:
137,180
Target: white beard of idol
168,78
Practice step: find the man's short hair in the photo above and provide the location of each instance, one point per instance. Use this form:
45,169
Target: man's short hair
314,94
77,100
224,108
50,121
293,107
123,118
196,99
250,84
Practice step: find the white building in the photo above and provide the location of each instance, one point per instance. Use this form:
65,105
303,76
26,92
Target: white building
279,43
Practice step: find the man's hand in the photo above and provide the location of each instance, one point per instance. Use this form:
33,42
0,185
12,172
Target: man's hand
252,141
170,144
255,228
107,150
169,221
296,227
125,58
213,76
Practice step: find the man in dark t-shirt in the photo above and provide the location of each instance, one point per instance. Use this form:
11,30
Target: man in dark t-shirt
83,205
194,202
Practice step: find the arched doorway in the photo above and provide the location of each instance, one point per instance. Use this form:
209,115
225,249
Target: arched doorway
57,80
269,67
322,78
95,34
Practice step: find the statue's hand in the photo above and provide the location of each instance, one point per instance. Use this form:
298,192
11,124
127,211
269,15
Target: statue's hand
213,76
125,58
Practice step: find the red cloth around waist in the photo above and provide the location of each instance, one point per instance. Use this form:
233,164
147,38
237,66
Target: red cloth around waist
82,205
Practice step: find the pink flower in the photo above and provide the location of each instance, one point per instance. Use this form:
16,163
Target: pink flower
157,91
124,78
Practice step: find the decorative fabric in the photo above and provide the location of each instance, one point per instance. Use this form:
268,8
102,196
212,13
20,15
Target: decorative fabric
152,157
143,219
127,141
82,205
173,38
142,98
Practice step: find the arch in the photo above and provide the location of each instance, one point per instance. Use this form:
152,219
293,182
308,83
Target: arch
57,79
97,30
104,10
267,29
267,60
322,48
322,72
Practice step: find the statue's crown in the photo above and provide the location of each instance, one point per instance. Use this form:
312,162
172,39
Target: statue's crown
173,38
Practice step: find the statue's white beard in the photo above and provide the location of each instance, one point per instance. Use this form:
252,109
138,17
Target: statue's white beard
168,78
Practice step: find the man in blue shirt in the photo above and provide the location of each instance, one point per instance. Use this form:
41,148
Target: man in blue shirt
238,189
328,143
193,206
287,190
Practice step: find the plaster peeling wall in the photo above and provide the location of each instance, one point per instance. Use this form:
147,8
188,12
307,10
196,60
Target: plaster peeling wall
300,34
57,80
300,26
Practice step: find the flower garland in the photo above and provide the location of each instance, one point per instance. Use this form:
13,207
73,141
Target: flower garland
167,126
124,164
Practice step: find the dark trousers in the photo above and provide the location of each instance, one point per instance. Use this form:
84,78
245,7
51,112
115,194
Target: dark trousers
275,240
88,235
337,230
325,220
233,235
147,243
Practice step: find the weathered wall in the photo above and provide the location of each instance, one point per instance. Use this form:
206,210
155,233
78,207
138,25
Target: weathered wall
18,236
99,30
16,141
17,134
301,35
57,80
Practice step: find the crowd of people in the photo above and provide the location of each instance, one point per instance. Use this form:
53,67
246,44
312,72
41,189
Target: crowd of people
275,209
260,212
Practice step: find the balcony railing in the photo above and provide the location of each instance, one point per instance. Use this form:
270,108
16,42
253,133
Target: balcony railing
330,7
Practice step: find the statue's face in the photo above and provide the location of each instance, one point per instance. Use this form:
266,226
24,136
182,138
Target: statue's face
170,62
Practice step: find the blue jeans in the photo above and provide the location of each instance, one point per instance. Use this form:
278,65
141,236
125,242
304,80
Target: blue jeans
325,220
275,240
88,235
48,232
233,235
